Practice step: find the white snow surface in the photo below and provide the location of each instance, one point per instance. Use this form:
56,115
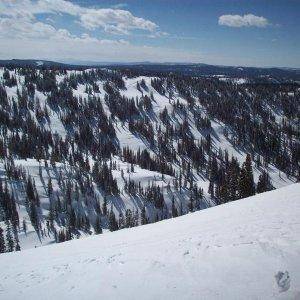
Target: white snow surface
231,251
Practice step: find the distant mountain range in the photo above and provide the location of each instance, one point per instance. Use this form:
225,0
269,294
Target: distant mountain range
273,74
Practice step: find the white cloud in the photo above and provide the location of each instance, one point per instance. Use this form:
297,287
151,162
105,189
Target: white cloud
116,21
24,29
243,21
22,35
158,34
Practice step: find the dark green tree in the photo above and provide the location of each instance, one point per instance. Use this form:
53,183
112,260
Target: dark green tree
2,241
112,222
98,227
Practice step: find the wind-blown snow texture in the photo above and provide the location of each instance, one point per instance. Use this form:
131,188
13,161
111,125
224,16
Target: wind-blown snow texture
247,249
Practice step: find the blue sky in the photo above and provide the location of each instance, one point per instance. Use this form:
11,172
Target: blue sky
228,32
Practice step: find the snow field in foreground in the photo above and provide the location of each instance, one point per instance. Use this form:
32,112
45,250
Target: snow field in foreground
232,251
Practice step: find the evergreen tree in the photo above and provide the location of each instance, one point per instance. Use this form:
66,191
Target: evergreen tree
24,226
50,188
191,204
243,188
129,222
249,174
246,181
30,190
174,209
18,248
144,219
104,206
121,221
98,228
211,189
112,222
34,217
2,241
264,183
9,237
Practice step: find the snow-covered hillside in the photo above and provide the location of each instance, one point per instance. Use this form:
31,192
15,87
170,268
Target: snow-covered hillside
247,249
56,125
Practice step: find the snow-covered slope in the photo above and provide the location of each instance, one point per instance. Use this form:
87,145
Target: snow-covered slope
171,145
232,251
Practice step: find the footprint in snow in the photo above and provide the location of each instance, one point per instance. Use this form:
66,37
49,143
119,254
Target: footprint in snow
283,281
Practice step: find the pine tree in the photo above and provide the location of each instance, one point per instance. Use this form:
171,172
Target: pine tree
144,219
249,174
50,188
264,183
211,189
174,209
9,238
104,206
2,241
191,204
121,221
16,237
34,217
224,195
98,228
18,248
72,219
112,222
136,218
30,190
243,190
129,222
233,180
246,181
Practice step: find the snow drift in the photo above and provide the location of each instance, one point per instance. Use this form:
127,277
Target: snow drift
247,249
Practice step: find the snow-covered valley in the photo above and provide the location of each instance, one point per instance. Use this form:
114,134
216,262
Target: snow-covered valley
231,251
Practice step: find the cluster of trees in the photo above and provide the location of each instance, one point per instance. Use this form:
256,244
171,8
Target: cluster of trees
146,161
9,80
9,240
229,181
102,175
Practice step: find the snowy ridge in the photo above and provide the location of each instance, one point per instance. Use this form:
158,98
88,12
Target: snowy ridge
232,251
